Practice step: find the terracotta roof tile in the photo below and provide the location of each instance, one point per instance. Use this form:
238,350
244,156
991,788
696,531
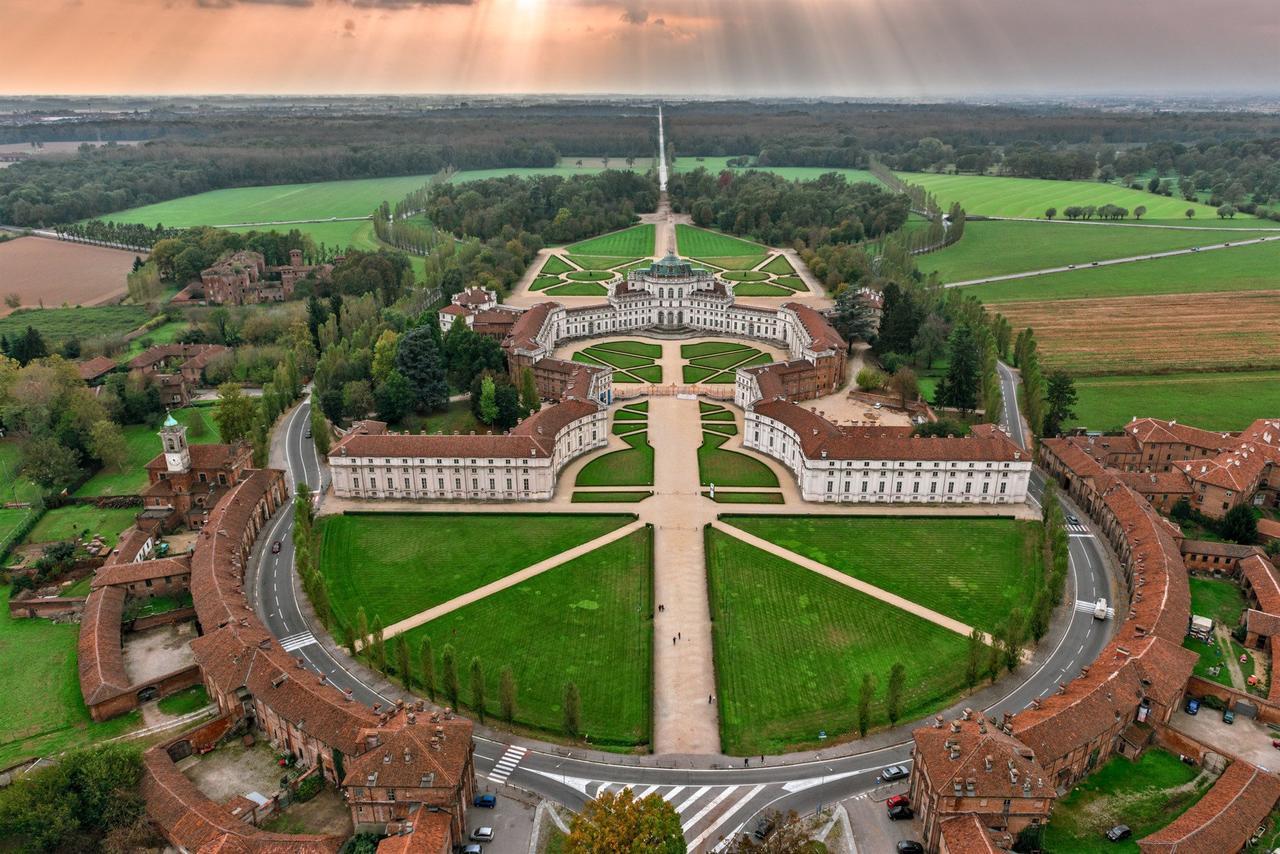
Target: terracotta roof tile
1222,820
96,367
972,742
99,656
127,573
965,835
430,835
1262,578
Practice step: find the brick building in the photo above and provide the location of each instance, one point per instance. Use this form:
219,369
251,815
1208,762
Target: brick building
186,481
177,369
244,278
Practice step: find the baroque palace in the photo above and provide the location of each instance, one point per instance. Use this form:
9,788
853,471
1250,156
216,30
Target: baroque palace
674,298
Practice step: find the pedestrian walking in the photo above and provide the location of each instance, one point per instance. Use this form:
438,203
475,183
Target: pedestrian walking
746,760
680,635
673,641
708,699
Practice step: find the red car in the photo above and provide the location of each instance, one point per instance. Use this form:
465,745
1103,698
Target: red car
275,547
897,801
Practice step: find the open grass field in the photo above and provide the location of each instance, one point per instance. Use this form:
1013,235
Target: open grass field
1155,334
700,243
1244,268
577,289
975,570
554,266
353,234
144,444
632,361
600,262
995,248
1018,197
631,466
398,564
592,620
41,712
723,467
567,167
1146,795
54,272
791,648
1218,599
780,265
58,324
715,165
633,242
610,497
13,487
1214,401
74,520
277,202
165,333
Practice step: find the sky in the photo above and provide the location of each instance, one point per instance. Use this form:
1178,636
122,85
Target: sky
853,48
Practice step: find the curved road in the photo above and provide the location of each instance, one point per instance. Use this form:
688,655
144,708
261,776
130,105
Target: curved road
713,795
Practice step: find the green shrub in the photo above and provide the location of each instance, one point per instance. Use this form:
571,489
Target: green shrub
308,788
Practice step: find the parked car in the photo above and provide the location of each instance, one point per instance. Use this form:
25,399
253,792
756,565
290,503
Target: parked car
901,813
894,772
764,828
910,846
275,547
473,848
482,834
1119,832
1193,706
897,801
1228,716
487,802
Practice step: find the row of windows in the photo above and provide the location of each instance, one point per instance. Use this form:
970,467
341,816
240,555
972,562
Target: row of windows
915,487
457,483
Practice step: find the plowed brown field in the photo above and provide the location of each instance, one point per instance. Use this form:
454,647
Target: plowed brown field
1155,334
37,268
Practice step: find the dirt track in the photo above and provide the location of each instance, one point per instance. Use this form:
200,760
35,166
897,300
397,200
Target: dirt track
57,272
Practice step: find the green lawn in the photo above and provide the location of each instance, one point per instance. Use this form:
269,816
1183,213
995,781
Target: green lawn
631,466
567,167
635,348
610,497
791,647
577,289
58,324
732,262
541,282
632,361
41,712
589,276
1029,197
1245,268
1213,401
165,333
353,234
717,361
277,202
13,487
730,468
633,242
761,289
589,621
144,445
997,248
708,348
457,418
185,701
555,265
398,564
67,523
700,243
723,497
1146,795
1218,599
600,262
975,570
715,165
782,266
745,275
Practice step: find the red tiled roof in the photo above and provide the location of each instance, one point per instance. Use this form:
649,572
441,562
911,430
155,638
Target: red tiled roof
473,297
965,835
524,333
1072,456
95,368
206,457
445,760
131,542
430,835
818,435
1171,482
127,573
1222,820
455,311
99,656
1269,529
822,333
1209,547
1262,623
973,742
191,820
1147,430
1262,578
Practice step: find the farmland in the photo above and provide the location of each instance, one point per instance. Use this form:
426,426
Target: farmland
716,165
396,565
54,272
592,621
1243,268
995,248
1213,401
1029,197
791,647
634,242
58,324
974,570
1150,334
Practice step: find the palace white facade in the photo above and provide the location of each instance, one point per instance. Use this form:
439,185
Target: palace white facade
887,464
519,466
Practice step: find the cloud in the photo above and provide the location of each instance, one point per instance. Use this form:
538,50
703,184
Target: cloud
634,15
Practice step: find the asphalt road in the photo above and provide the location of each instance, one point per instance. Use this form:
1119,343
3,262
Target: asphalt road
714,799
1089,265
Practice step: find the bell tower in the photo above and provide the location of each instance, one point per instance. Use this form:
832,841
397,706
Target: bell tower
177,456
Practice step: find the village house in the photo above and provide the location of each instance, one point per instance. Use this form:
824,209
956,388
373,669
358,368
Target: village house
186,480
244,278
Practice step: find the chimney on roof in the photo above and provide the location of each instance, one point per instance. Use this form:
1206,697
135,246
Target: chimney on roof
408,757
937,721
955,726
987,762
970,786
386,758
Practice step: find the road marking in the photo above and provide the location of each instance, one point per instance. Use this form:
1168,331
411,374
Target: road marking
684,806
670,796
686,826
646,793
728,814
507,763
297,641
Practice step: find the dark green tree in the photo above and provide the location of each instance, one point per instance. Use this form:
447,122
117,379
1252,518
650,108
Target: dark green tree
1240,525
893,693
394,398
899,320
507,694
477,688
959,389
403,663
866,688
418,358
1060,401
975,658
449,679
572,710
427,661
854,318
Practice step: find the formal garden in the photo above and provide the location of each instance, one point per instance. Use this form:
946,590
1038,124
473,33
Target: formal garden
632,361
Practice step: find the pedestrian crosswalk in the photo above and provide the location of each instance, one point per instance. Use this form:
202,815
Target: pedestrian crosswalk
298,641
507,763
707,813
1077,528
